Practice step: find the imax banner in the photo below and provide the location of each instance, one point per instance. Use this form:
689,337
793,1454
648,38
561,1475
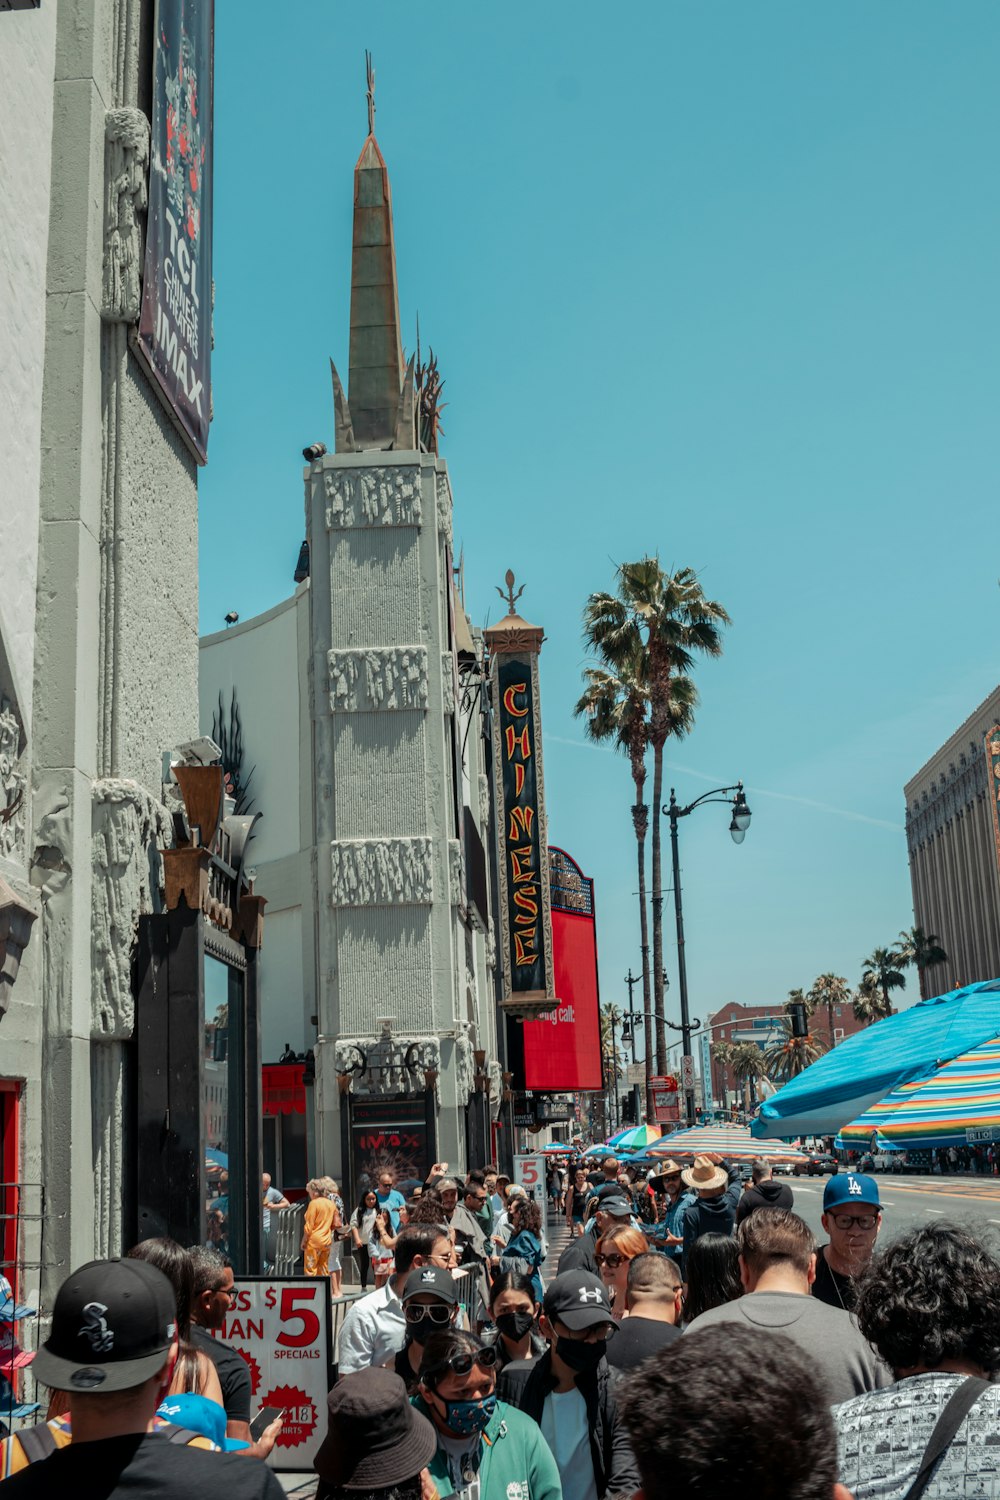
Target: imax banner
175,325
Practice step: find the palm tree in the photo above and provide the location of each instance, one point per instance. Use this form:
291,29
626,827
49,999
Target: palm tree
676,623
615,706
722,1053
869,1004
920,950
748,1065
886,965
611,1020
829,990
789,1055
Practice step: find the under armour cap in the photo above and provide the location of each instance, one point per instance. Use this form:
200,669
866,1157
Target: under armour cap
112,1327
618,1206
850,1187
578,1299
432,1279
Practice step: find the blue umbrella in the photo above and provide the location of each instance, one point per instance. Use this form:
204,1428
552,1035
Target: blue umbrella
863,1069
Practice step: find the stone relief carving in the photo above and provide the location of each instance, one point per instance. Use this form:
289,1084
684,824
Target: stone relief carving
484,802
465,1066
448,682
16,918
372,497
382,872
13,784
456,872
444,508
383,677
128,828
392,1065
491,946
495,1072
126,165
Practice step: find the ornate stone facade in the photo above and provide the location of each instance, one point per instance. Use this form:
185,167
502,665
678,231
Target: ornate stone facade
387,1064
448,682
444,508
129,829
13,784
126,136
387,496
456,873
385,677
382,872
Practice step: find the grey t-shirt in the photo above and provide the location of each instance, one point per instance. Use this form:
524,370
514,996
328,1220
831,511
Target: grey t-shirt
831,1340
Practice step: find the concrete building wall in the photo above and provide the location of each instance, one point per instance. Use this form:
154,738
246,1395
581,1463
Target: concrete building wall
954,869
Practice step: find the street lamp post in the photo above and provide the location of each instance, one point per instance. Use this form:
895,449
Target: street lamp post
738,831
628,1034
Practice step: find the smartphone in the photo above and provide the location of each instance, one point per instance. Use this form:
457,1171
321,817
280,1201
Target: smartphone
264,1418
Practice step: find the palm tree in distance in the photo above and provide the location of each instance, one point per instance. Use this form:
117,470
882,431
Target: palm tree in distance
789,1055
886,965
611,1020
676,624
615,706
920,950
869,1004
748,1065
829,990
723,1053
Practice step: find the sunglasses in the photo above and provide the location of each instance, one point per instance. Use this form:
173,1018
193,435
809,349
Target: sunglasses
424,1314
612,1261
463,1362
863,1221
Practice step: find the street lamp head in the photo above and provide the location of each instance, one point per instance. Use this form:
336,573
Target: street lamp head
741,817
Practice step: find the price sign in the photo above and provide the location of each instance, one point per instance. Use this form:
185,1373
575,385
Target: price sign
280,1326
529,1173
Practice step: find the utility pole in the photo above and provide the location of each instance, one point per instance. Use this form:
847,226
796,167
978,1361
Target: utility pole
632,980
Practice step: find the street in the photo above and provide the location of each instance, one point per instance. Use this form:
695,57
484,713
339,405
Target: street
908,1201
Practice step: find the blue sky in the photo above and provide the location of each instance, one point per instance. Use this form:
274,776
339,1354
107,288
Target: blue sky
713,281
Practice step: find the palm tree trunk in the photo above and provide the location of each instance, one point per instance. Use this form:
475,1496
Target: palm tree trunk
640,818
829,1012
661,1030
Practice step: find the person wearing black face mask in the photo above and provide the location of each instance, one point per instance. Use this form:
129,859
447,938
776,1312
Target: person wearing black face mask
430,1303
514,1312
568,1391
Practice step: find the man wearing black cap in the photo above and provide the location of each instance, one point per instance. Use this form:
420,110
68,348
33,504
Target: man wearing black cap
568,1391
612,1208
430,1303
112,1346
375,1441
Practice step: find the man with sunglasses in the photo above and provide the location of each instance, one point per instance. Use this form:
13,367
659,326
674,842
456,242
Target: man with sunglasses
569,1390
852,1217
374,1329
430,1305
485,1449
668,1235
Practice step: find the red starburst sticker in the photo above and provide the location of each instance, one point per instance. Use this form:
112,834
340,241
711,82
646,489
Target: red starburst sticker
251,1365
300,1414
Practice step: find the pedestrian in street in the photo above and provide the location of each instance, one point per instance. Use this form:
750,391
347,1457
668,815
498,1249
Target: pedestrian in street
382,1246
777,1266
722,1415
852,1217
111,1346
271,1200
362,1222
766,1192
334,1261
430,1304
717,1189
317,1230
576,1202
610,1210
653,1303
374,1329
498,1197
514,1310
568,1391
210,1305
930,1305
713,1275
523,1251
485,1448
669,1232
194,1371
376,1445
616,1249
473,1247
608,1172
388,1197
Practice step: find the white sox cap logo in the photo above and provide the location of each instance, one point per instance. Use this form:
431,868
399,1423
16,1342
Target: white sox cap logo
95,1328
591,1294
854,1186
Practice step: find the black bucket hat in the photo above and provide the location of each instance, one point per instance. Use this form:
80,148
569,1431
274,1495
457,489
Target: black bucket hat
375,1438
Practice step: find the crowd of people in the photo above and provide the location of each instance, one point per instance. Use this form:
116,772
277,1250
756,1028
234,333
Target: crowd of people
694,1341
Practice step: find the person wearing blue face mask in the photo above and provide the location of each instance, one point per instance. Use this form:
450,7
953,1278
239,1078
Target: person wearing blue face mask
484,1447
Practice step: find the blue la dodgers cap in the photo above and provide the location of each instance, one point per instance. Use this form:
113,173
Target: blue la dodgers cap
850,1187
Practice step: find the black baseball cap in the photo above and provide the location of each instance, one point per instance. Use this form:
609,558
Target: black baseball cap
578,1299
433,1279
617,1205
112,1327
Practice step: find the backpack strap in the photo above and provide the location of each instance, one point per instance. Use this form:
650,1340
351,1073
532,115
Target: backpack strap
182,1435
959,1404
37,1442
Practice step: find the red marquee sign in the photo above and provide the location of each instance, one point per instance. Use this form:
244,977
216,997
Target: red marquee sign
562,1049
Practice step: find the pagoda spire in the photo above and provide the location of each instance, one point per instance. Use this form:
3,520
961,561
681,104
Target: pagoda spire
375,372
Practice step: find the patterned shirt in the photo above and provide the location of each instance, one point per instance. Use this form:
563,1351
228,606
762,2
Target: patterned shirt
882,1437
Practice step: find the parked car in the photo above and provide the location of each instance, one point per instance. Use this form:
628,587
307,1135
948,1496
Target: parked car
889,1161
816,1164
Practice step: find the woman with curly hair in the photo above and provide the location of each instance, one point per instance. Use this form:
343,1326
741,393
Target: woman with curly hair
523,1251
930,1306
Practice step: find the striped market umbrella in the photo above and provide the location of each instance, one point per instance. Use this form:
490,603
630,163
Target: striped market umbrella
635,1138
731,1141
958,1105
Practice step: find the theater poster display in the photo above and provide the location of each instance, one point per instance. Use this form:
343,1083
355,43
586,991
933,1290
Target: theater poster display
175,323
390,1133
562,1048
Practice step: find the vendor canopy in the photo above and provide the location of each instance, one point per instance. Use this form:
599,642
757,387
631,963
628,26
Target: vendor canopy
731,1141
862,1070
959,1104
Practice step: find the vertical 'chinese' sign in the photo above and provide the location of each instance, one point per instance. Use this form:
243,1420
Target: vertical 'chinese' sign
525,914
175,325
993,768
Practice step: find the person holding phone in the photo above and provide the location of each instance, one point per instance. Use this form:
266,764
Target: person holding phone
381,1245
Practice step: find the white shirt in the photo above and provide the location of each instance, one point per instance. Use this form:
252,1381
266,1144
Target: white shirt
374,1331
564,1428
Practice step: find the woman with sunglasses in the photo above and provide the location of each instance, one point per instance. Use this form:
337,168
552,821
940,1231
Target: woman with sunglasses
430,1305
514,1309
616,1249
484,1447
